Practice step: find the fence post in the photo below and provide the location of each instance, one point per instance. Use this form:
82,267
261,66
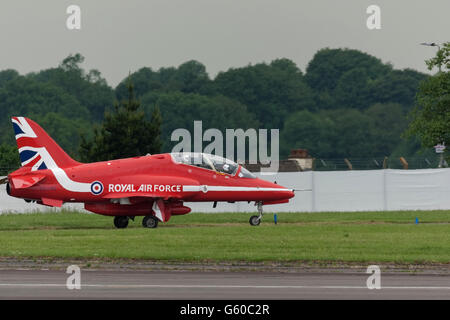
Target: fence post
385,163
313,193
349,164
384,191
404,163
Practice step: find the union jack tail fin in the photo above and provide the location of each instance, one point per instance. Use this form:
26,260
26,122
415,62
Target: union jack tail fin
37,149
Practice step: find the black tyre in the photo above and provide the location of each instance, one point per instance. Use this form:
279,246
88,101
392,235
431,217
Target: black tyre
121,222
254,221
150,222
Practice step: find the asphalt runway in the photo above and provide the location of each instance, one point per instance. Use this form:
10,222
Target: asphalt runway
189,285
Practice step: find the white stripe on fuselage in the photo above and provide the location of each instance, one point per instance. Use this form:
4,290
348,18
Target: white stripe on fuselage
227,188
68,184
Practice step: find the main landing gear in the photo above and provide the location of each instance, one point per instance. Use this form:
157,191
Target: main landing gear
256,220
150,222
121,222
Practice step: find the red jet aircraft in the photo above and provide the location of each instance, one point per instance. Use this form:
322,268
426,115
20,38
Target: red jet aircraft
153,186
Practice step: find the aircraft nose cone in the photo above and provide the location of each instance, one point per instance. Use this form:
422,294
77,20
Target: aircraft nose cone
287,194
284,193
274,191
291,194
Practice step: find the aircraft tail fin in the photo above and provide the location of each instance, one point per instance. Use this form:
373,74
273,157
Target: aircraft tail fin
37,149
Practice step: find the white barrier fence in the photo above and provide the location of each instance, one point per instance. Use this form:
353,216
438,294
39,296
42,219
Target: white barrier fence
365,190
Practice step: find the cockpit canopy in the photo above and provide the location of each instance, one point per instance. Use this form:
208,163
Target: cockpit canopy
211,162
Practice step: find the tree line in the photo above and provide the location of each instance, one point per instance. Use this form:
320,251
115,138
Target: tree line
345,104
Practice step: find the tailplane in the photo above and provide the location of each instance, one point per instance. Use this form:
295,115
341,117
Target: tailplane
37,149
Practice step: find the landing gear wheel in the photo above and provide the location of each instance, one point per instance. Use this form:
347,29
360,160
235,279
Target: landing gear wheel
150,222
255,220
121,222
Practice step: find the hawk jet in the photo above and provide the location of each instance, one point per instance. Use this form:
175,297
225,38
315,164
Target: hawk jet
155,187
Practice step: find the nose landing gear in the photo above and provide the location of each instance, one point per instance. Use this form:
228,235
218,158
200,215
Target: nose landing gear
256,220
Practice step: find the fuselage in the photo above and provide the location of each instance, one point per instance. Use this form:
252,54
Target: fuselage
154,186
148,176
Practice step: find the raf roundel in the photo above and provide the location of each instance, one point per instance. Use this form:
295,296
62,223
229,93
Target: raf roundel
96,187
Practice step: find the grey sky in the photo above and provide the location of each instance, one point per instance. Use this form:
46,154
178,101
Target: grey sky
121,36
